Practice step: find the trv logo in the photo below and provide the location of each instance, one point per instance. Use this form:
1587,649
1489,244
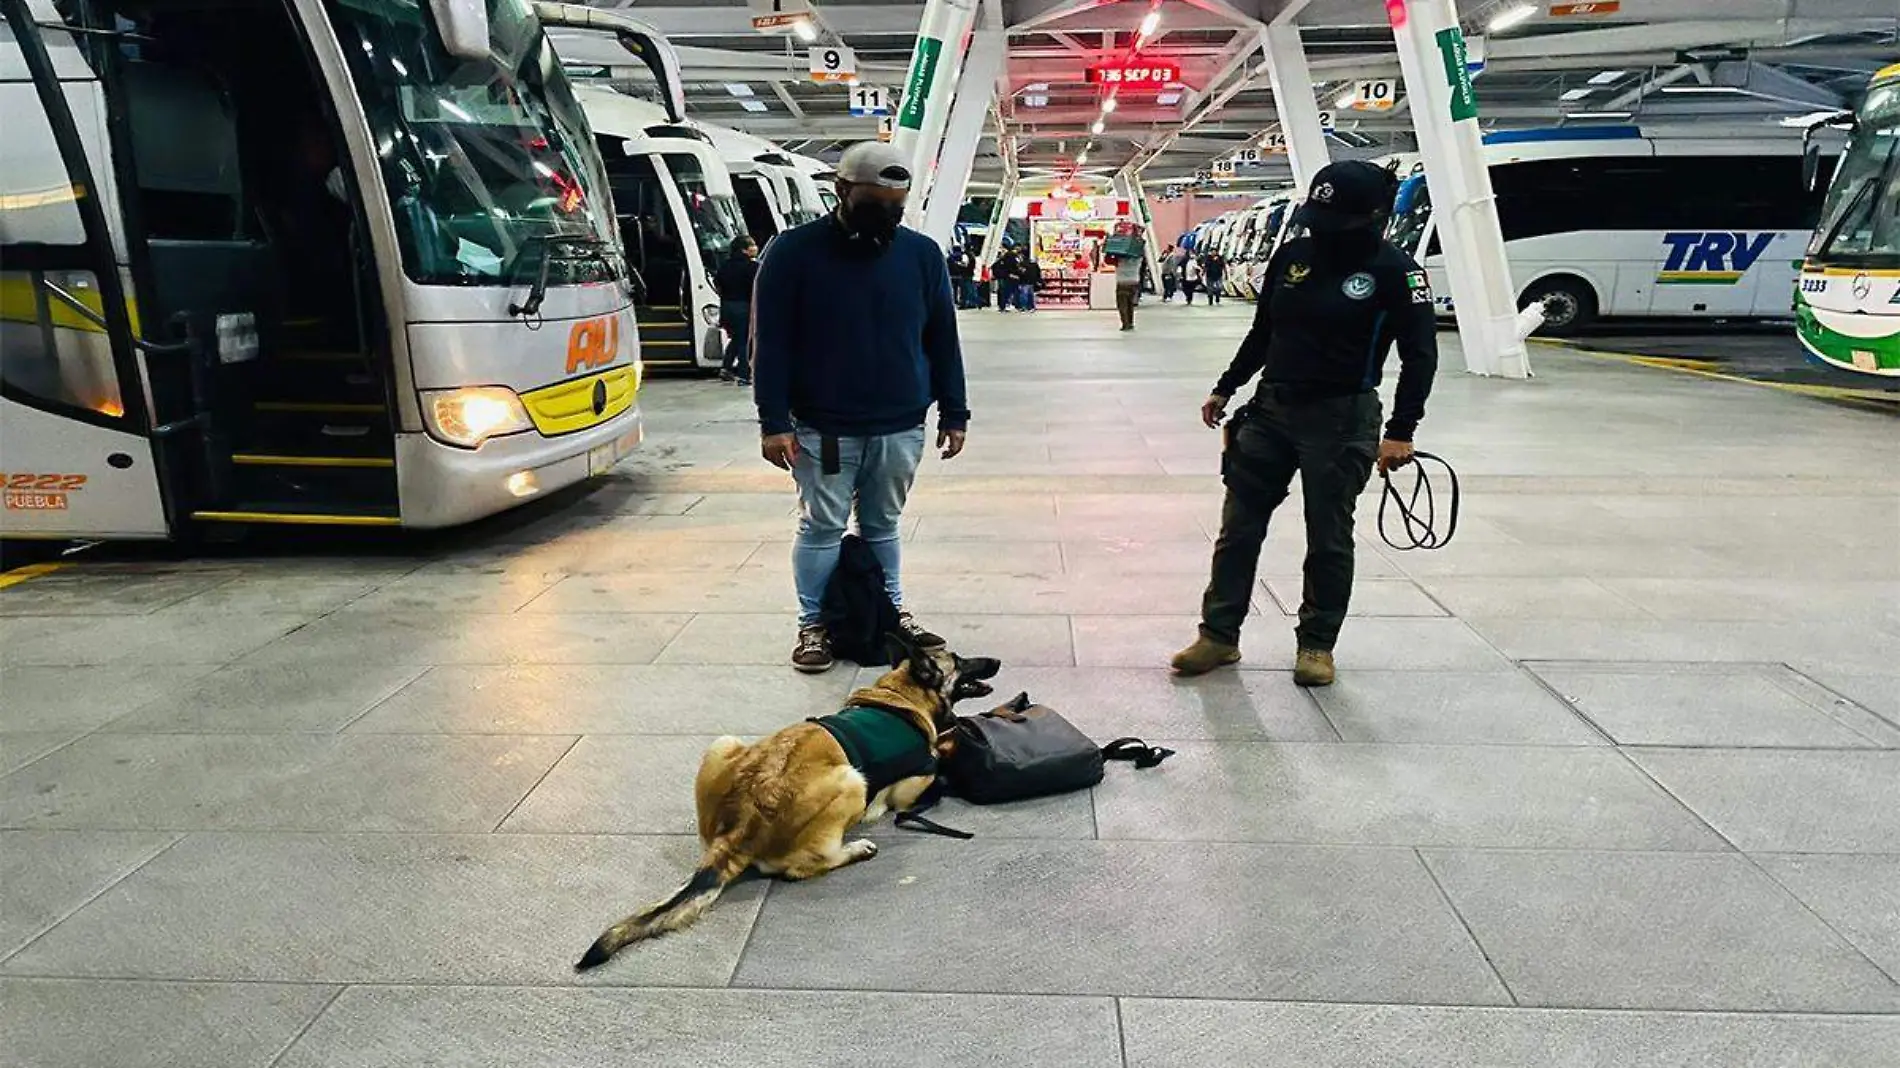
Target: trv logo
1719,251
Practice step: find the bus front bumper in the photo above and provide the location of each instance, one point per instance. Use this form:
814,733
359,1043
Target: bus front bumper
443,486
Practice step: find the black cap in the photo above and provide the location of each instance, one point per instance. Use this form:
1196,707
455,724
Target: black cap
1350,195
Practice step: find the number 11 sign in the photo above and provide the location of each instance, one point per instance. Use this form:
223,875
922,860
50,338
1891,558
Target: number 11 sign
870,100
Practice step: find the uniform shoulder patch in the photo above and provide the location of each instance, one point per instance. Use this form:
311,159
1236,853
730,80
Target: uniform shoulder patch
1420,287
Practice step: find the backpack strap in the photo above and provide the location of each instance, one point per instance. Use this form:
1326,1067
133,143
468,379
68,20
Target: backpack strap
1136,751
912,818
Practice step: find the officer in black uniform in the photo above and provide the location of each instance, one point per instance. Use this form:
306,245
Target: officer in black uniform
1332,305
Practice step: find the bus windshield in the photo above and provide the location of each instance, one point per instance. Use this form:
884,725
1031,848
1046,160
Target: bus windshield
715,217
483,159
1862,216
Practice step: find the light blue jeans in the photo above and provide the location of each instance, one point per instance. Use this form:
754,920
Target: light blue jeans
875,473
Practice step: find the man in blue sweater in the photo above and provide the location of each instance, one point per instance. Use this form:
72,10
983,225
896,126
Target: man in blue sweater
854,334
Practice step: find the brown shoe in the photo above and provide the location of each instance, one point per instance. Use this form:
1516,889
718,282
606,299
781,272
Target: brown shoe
1204,656
812,655
1313,667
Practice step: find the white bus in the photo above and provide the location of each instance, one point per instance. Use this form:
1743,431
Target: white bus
1603,221
678,219
316,262
1847,313
775,192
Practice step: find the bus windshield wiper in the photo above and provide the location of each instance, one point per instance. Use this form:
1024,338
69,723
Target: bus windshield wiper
547,243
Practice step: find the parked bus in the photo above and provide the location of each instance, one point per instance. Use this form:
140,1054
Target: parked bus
678,218
325,262
1847,312
1603,221
774,191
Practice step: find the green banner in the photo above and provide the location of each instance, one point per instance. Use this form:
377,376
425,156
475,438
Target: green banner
923,69
1464,99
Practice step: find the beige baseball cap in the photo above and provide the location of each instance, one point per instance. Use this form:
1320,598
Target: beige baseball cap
874,163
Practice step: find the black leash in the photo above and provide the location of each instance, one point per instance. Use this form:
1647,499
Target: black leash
1421,526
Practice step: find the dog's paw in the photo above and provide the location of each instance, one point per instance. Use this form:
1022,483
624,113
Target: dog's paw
861,850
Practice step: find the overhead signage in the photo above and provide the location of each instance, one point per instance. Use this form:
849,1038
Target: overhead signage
1375,94
834,63
1224,168
886,127
1273,144
1249,157
1203,175
1586,9
870,100
1151,74
1718,54
770,15
1329,120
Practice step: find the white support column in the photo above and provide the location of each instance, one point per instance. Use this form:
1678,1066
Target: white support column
999,219
1292,86
1431,55
942,196
923,107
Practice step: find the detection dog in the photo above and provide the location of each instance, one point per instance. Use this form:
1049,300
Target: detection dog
782,806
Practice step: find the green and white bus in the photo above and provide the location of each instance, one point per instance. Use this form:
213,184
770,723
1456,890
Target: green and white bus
1847,312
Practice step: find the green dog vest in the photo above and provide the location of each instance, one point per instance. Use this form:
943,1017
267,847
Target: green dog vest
884,746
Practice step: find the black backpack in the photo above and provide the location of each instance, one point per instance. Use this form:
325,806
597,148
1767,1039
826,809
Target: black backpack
857,612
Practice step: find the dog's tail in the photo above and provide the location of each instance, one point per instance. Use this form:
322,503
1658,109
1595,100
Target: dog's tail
721,865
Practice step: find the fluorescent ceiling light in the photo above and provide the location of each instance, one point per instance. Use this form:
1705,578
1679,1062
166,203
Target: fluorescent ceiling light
1109,105
1149,24
1597,115
1511,17
1607,77
1035,101
1683,90
1036,87
1576,94
1168,100
754,105
805,30
1097,128
1081,159
1346,99
738,89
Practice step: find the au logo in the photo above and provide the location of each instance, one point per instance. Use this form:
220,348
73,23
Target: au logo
1297,273
593,343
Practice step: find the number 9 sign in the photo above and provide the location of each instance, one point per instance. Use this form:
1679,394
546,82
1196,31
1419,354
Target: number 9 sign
833,63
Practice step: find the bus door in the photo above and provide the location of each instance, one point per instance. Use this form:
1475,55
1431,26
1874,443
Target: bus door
74,417
757,204
655,232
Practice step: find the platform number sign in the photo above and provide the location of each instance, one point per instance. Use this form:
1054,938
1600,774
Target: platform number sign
1274,143
834,63
871,100
1203,176
1375,94
1329,120
886,127
1248,157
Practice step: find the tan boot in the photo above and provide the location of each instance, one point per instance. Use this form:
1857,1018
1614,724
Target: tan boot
1204,656
1313,668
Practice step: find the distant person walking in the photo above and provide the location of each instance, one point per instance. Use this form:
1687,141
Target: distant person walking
855,338
1007,272
963,277
1191,278
1170,275
1127,288
1031,282
1214,275
734,283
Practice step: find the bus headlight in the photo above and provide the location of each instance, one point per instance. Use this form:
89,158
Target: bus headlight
710,313
473,414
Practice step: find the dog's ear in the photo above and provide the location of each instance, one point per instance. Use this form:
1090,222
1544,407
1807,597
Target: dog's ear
899,648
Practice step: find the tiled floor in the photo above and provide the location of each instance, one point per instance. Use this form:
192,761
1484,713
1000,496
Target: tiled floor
1614,781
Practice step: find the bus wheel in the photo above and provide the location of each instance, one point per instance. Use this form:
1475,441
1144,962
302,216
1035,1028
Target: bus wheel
1570,304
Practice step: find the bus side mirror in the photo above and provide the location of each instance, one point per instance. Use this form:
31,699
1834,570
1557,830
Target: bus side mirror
463,25
1810,164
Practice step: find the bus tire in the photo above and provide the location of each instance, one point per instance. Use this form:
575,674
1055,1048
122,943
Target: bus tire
1570,304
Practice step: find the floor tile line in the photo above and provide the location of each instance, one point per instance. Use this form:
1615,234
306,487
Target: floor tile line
391,695
1550,688
1626,754
752,929
1445,896
523,799
103,891
1839,934
335,995
1825,688
1121,1032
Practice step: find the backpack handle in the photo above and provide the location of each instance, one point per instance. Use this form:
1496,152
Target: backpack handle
1136,751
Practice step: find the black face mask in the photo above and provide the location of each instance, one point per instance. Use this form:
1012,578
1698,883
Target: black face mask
873,220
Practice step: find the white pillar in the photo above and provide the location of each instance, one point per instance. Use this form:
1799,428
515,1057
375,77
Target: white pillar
999,219
942,196
1445,114
924,101
1292,84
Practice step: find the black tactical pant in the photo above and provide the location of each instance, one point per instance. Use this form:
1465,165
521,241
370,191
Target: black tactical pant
1331,444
